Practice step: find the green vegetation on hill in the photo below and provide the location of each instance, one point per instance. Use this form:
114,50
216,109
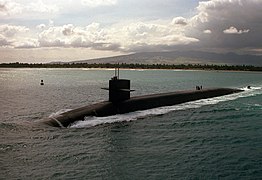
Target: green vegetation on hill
133,66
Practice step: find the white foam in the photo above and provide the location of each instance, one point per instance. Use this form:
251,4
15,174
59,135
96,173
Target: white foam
59,112
95,121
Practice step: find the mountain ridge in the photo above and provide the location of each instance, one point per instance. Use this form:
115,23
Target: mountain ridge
179,57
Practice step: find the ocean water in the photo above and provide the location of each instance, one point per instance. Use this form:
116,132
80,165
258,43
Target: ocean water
217,138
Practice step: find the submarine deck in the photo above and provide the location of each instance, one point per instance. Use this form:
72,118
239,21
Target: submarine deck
144,102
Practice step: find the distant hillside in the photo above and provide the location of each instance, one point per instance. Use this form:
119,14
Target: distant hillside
181,57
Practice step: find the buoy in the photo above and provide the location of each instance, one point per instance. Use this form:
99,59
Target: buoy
42,82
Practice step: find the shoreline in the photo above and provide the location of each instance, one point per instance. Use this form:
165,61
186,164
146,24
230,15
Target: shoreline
138,67
132,69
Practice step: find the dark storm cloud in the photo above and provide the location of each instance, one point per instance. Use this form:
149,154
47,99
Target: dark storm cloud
231,23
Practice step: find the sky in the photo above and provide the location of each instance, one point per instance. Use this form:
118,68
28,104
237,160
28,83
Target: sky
66,30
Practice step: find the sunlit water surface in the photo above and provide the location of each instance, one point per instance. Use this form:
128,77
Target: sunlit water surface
218,138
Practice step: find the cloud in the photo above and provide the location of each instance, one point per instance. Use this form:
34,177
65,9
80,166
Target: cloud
128,37
207,31
51,37
222,17
107,29
2,7
41,26
96,3
27,44
9,8
10,31
3,41
14,36
91,36
146,35
19,9
179,21
68,29
40,7
233,30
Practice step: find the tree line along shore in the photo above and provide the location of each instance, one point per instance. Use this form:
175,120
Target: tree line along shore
134,66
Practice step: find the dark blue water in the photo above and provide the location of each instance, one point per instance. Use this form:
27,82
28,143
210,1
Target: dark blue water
218,138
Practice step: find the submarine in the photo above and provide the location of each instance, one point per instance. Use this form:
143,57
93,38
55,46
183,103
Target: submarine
120,101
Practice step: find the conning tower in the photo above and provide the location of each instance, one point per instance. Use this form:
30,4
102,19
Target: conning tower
119,89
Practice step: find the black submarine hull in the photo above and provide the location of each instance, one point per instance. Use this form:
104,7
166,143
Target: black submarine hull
107,108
